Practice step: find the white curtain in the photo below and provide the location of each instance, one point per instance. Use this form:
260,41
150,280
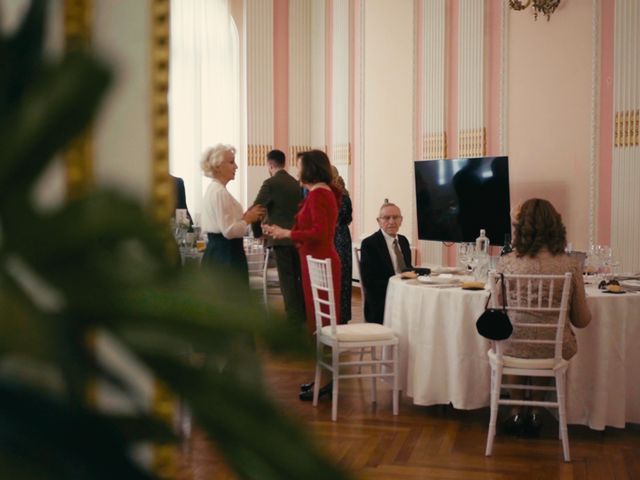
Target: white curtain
204,91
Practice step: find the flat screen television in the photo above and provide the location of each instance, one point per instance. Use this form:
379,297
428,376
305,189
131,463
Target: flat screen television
457,197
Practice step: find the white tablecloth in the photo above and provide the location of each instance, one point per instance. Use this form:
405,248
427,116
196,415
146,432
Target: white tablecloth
443,359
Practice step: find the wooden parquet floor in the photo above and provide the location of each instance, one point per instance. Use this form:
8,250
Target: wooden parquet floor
436,442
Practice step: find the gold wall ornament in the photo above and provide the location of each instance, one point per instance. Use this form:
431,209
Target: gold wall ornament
543,7
294,150
78,24
78,156
163,404
434,145
627,129
257,154
472,143
341,154
162,200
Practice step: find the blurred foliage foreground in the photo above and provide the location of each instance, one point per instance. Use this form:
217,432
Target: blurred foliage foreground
98,266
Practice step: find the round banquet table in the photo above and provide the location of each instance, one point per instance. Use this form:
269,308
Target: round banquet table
444,360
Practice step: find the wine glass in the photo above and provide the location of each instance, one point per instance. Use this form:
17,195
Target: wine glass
592,263
614,265
604,252
467,256
190,240
606,261
463,253
599,260
474,261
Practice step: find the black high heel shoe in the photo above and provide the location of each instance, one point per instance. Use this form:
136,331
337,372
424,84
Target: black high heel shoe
514,425
532,426
307,395
304,387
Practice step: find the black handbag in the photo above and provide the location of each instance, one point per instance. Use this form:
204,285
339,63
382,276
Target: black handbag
494,323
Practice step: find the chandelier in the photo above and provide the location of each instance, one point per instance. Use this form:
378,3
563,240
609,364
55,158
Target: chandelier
545,7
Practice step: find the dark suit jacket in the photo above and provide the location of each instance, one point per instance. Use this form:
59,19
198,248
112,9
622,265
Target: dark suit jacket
281,196
376,268
181,196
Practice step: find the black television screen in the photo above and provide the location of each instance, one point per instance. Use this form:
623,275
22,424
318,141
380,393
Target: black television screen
456,198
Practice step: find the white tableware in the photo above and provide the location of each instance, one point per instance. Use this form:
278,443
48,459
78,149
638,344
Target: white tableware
451,270
630,285
439,280
466,252
190,239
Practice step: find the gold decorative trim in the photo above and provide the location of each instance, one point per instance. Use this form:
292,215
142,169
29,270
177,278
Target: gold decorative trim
341,154
257,154
627,129
472,142
162,200
294,150
164,463
78,157
78,24
434,145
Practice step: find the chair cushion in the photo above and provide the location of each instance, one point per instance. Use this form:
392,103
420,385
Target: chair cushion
531,363
359,332
255,282
272,275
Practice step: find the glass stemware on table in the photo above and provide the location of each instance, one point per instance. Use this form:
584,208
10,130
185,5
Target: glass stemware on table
609,265
467,256
187,235
601,263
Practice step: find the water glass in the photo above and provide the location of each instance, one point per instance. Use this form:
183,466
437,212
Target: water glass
466,253
593,263
190,240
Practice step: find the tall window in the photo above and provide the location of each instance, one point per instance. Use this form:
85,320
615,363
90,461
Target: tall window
204,90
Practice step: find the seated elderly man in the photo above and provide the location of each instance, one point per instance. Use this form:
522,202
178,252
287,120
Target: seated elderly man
382,255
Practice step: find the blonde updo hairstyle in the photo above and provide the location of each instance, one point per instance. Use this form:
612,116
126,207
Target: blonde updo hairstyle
213,157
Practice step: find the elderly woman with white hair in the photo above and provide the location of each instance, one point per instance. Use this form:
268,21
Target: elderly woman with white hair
223,219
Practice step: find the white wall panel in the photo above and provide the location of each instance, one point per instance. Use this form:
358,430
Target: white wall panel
340,151
388,110
307,75
625,202
471,40
260,104
434,94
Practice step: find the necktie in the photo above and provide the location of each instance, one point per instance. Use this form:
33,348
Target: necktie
399,257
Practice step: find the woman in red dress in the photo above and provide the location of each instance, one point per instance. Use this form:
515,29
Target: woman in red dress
315,225
313,234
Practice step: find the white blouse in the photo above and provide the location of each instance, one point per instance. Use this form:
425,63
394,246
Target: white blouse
221,213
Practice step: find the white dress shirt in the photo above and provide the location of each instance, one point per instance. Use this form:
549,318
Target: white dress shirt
221,213
392,253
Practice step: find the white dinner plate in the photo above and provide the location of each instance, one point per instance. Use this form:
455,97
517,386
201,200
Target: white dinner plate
630,284
452,270
438,280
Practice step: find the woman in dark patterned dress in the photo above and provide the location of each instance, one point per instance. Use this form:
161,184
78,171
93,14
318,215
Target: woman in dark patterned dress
342,242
